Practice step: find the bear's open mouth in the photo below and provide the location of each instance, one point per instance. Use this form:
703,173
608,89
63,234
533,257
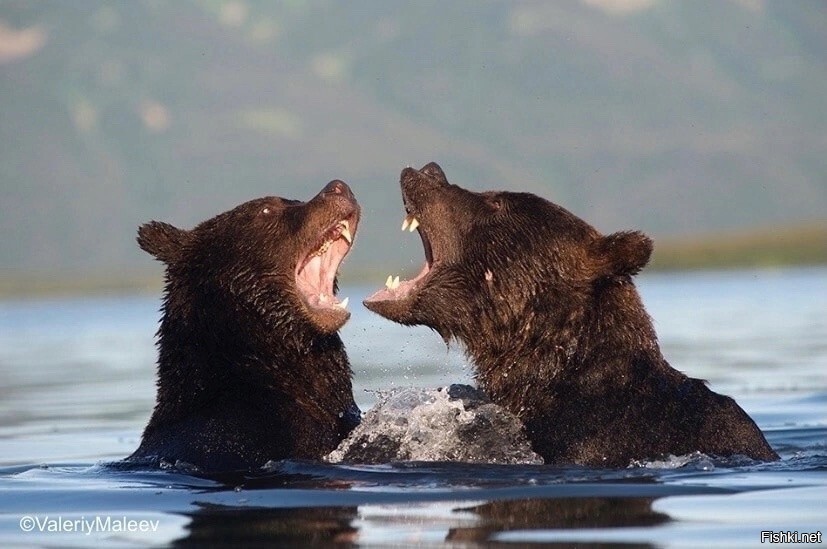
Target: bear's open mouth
316,271
396,289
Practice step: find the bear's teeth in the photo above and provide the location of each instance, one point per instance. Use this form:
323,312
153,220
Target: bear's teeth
322,298
324,247
410,223
392,282
345,232
343,303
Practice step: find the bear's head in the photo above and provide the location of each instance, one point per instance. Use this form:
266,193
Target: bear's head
500,264
270,262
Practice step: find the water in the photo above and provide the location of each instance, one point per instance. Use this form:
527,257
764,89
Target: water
77,386
452,423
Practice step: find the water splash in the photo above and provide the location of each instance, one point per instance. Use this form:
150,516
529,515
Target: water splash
456,423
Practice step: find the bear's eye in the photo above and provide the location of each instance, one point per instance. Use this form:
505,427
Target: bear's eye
266,210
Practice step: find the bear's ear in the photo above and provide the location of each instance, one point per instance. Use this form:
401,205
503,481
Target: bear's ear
434,171
625,253
161,240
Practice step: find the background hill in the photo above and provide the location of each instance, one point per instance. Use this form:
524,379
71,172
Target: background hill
677,118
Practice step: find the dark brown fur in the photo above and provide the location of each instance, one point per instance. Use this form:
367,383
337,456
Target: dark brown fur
547,309
247,370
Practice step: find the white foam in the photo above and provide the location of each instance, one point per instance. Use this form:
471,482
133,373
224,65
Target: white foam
695,460
429,425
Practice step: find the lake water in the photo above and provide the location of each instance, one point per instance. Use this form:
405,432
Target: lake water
77,386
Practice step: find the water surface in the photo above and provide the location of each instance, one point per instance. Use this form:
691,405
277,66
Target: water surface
77,386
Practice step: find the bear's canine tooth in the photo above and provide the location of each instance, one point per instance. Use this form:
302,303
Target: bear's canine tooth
345,232
389,281
343,303
410,223
395,283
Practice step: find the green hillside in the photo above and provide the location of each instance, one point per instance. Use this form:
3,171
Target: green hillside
672,117
799,245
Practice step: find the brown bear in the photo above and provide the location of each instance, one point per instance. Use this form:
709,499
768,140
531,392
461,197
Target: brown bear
250,365
546,308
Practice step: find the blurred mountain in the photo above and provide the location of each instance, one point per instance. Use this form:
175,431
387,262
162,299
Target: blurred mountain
671,117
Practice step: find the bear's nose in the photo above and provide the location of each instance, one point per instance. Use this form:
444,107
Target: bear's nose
338,187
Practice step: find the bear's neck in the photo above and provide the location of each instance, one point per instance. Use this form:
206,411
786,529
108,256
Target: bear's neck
522,365
202,357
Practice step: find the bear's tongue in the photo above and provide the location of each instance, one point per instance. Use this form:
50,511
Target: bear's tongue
316,277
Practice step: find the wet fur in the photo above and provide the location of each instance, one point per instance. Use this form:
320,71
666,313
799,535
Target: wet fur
547,309
244,374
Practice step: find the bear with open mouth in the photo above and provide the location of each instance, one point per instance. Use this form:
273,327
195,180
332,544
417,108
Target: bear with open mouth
250,365
546,308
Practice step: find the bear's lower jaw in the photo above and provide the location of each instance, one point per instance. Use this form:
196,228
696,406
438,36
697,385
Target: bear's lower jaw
327,319
396,310
396,299
397,290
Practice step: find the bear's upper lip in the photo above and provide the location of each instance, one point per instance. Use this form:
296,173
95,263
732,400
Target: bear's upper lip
395,288
316,270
